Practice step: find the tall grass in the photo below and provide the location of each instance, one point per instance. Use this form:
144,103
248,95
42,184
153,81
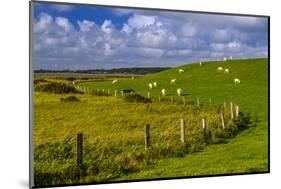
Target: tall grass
114,135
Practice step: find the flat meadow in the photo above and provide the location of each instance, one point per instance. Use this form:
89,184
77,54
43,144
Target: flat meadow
113,124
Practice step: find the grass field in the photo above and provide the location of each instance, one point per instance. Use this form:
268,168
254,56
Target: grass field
114,129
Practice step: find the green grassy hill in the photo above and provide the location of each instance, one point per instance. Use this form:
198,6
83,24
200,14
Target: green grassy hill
114,128
248,152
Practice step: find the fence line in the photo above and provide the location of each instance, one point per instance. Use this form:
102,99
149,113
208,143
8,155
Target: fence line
234,108
147,135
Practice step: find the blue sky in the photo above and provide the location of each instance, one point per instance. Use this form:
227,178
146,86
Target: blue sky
91,37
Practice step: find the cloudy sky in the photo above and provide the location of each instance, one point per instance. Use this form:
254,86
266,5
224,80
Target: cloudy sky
90,37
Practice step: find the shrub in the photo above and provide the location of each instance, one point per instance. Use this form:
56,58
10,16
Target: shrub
70,99
37,81
55,88
136,98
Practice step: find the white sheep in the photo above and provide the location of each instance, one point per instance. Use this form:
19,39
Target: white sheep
220,69
230,58
150,85
73,83
237,81
179,91
181,70
200,63
114,81
132,77
155,84
163,91
226,71
173,81
224,59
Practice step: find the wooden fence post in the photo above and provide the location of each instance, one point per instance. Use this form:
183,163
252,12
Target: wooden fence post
146,136
222,120
182,127
224,104
231,111
108,91
115,93
204,125
80,150
122,93
198,102
159,98
148,95
210,101
236,111
183,100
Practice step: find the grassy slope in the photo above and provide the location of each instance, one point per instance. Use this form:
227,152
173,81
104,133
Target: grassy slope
245,153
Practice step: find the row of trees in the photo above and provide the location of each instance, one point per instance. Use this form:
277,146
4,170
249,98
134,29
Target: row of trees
139,71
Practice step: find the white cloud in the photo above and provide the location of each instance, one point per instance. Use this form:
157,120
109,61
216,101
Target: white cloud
217,54
63,23
121,12
234,45
50,41
151,52
188,30
140,21
44,21
108,50
150,39
107,26
67,50
182,52
63,8
86,25
221,35
218,46
127,29
143,40
172,38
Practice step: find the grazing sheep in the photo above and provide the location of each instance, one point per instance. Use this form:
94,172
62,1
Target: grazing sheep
132,77
230,58
224,59
226,71
73,83
173,81
237,81
155,84
163,91
181,70
220,69
150,85
114,81
179,91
